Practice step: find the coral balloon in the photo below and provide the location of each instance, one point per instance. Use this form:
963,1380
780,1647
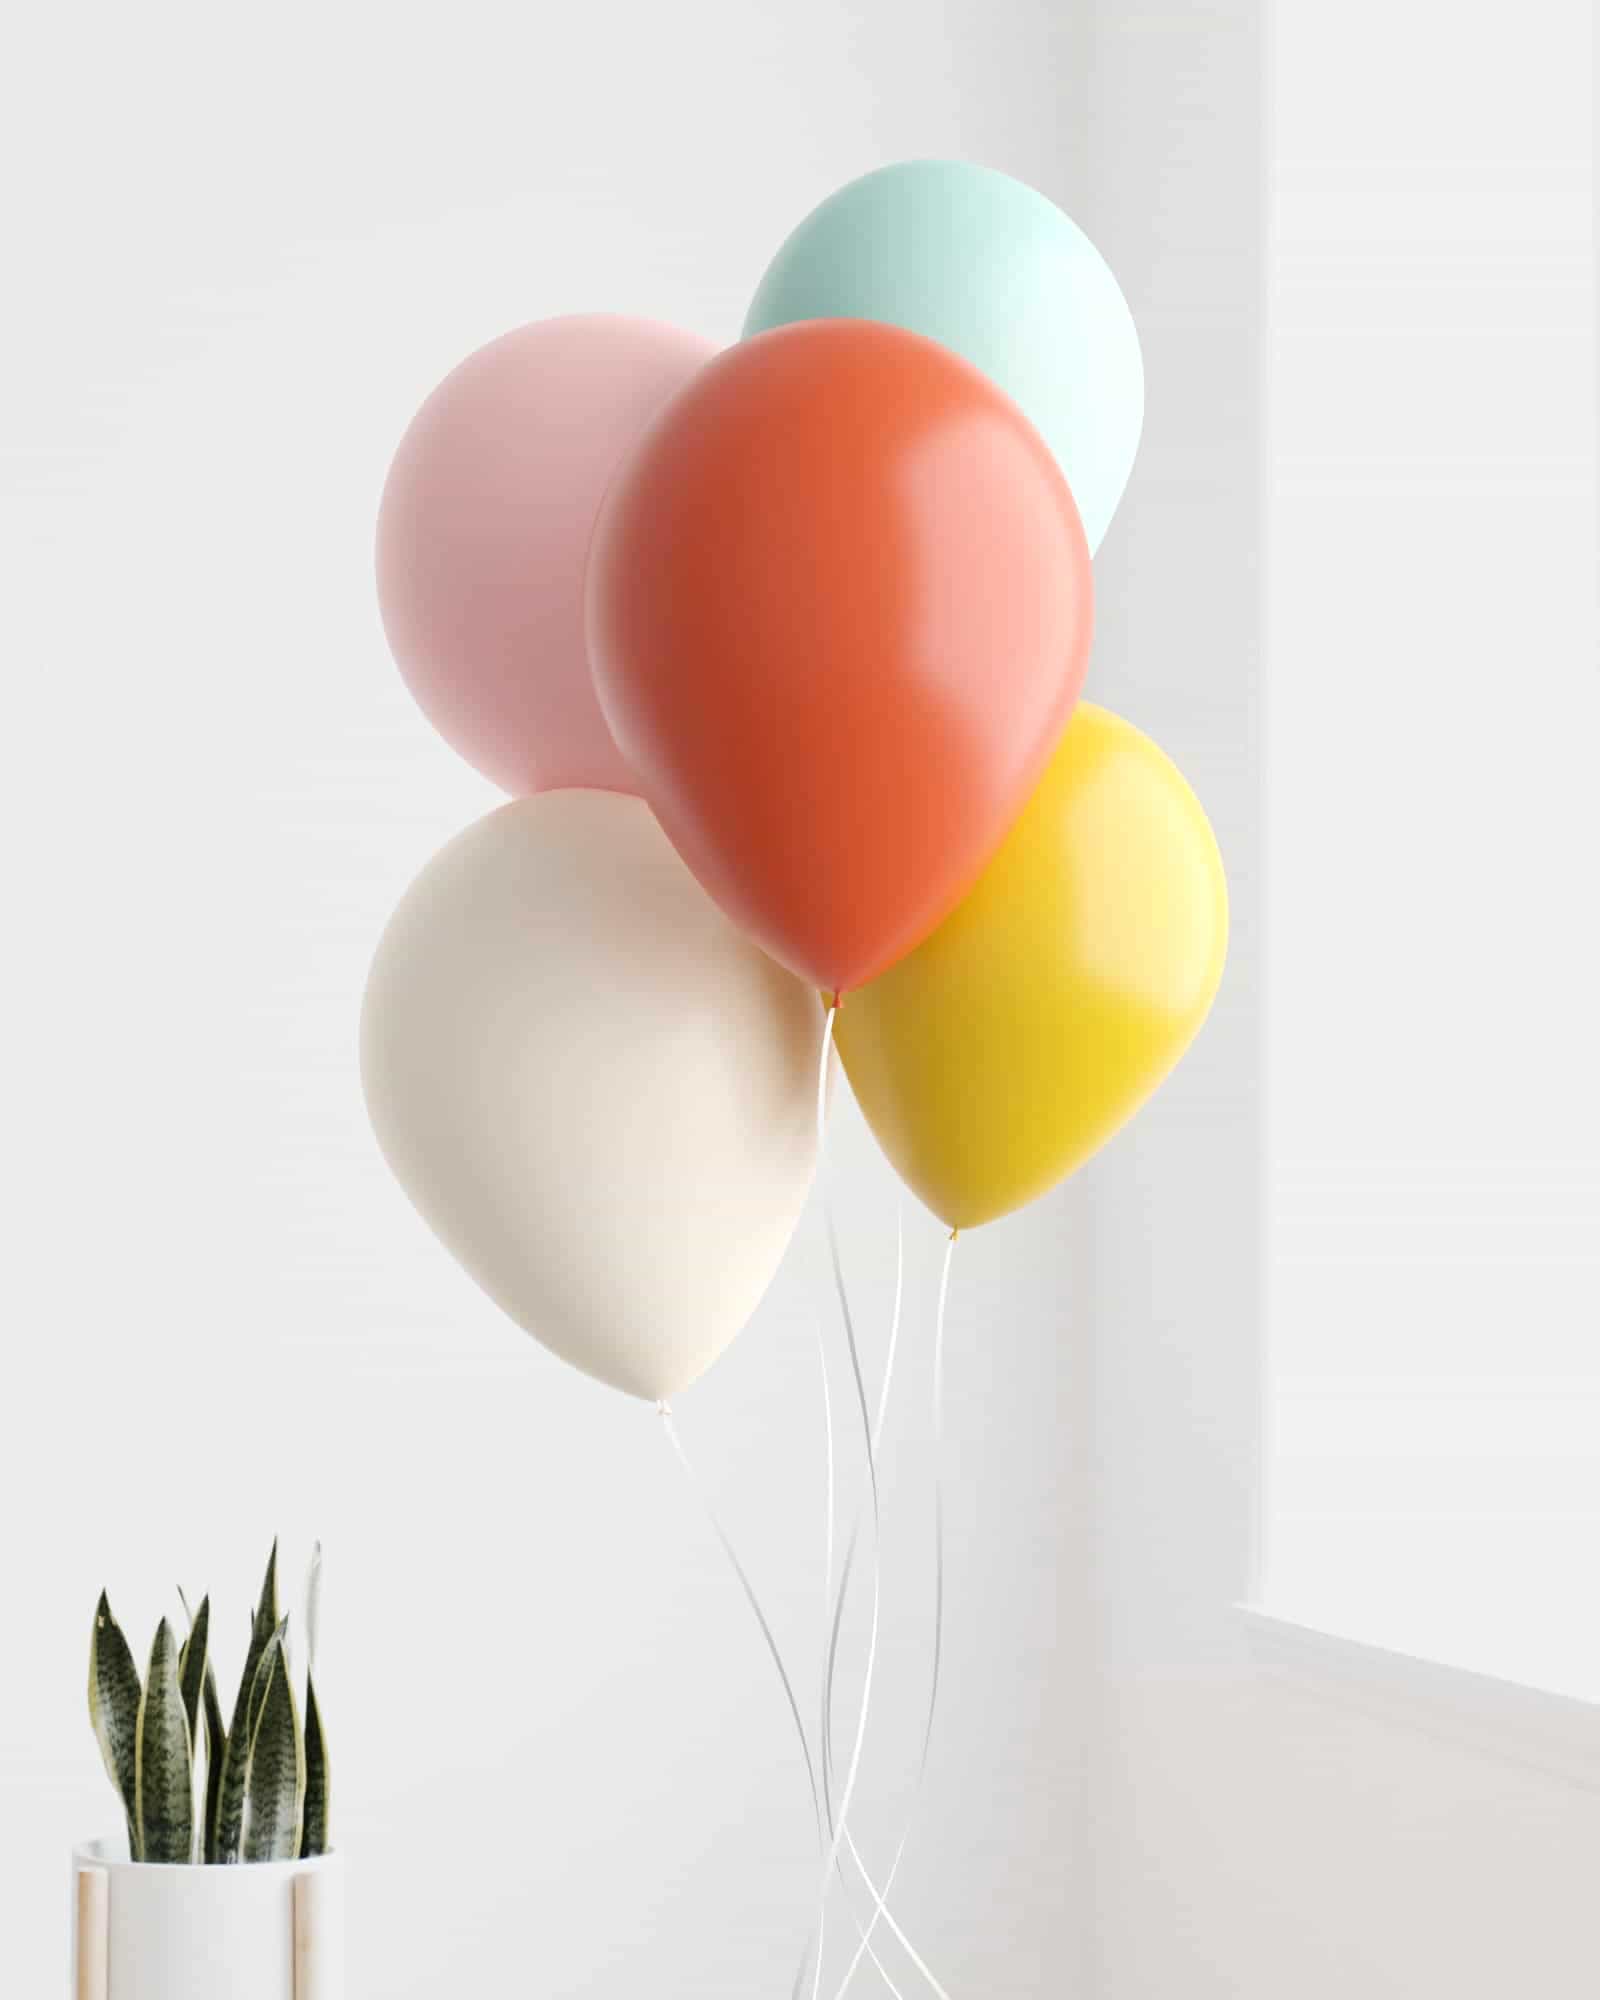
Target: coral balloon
599,1096
996,272
839,609
482,533
1044,1011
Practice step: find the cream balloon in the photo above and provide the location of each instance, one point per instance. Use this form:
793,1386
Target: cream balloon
595,1091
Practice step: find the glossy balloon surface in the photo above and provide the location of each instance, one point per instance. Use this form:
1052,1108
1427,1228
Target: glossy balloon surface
995,271
839,609
1042,1013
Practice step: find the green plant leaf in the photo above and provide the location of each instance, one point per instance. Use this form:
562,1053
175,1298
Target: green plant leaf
279,1641
314,1828
192,1666
163,1760
216,1751
225,1827
114,1710
267,1603
216,1732
276,1790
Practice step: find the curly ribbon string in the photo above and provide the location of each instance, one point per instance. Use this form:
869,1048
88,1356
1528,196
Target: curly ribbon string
664,1411
669,1426
670,1429
837,1837
873,1432
833,1614
830,1516
838,1827
880,1897
827,1599
824,1062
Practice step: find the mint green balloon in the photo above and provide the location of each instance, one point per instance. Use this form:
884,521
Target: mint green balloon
988,267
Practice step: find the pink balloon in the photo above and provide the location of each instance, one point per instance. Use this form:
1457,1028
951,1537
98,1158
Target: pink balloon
484,528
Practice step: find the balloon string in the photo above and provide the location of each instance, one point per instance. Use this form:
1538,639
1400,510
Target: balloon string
835,1610
822,1346
874,1441
664,1411
880,1898
833,1614
829,1022
827,1566
837,1865
841,1825
773,1649
872,1432
894,1322
671,1429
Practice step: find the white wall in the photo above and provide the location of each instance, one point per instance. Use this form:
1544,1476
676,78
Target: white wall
1255,1834
1432,823
239,252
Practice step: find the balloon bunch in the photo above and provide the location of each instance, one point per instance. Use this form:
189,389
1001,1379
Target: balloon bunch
779,651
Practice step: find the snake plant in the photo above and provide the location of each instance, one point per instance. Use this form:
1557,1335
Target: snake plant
263,1795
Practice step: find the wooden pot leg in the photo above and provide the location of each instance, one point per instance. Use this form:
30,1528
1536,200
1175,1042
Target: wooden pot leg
318,1943
93,1934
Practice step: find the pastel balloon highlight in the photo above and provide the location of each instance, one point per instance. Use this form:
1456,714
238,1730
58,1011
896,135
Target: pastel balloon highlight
999,274
595,1092
1013,1042
839,610
482,532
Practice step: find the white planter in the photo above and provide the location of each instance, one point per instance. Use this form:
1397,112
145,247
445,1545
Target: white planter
270,1930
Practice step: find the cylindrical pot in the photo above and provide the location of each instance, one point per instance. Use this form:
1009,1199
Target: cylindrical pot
254,1930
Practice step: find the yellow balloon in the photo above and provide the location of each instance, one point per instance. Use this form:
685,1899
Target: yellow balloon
1045,1009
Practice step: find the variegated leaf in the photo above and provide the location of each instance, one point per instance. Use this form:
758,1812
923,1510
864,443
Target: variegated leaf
216,1735
226,1824
114,1710
267,1603
276,1790
192,1666
216,1750
163,1760
278,1647
314,1829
